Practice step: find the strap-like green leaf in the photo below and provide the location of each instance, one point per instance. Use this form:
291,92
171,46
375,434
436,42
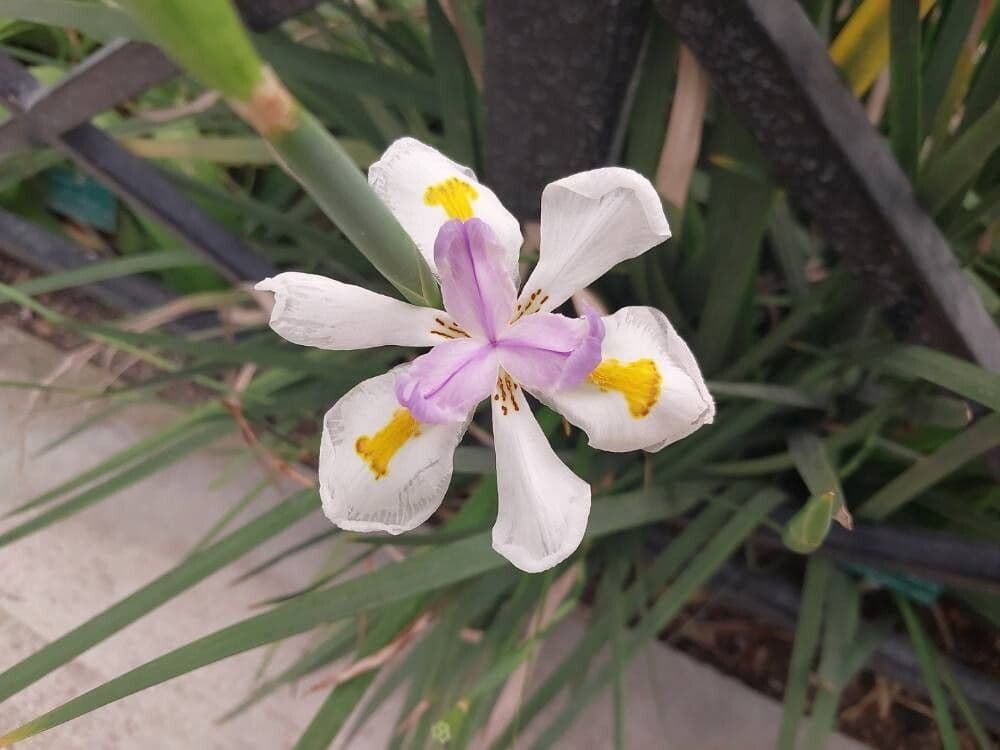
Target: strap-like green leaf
196,568
200,437
803,650
905,127
947,174
967,445
701,568
957,375
927,657
418,574
93,19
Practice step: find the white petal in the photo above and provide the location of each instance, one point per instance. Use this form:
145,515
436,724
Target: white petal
543,506
417,473
402,177
683,403
316,311
592,221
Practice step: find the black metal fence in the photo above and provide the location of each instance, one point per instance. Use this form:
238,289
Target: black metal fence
59,117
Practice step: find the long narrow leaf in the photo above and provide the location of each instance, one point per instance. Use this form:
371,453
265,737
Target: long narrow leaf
334,713
136,473
697,573
957,375
958,696
94,19
927,657
803,650
905,83
861,49
109,269
343,73
941,63
738,214
681,549
454,87
840,624
954,169
196,568
418,574
179,430
967,445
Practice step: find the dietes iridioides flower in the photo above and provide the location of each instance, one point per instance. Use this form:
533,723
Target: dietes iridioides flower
628,380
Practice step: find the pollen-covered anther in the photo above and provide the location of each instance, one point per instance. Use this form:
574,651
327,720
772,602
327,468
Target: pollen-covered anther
638,381
455,196
377,451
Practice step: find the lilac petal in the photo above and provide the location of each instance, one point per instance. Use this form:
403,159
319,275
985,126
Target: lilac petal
445,384
477,289
587,355
546,350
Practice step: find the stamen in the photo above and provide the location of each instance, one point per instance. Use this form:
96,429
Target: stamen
455,196
377,451
638,381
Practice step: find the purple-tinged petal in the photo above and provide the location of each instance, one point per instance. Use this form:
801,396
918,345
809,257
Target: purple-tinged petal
378,469
546,350
646,393
445,384
532,368
587,355
477,289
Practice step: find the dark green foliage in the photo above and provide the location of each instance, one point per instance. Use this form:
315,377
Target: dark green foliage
820,408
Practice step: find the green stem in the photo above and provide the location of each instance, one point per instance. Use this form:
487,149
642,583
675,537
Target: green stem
208,40
319,163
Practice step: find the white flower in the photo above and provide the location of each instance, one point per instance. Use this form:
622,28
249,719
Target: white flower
628,380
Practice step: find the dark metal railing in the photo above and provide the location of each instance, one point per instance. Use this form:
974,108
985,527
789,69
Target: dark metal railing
59,116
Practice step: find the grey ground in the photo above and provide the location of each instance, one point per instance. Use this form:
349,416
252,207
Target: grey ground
52,581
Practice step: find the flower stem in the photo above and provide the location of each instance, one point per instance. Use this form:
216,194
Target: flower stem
208,40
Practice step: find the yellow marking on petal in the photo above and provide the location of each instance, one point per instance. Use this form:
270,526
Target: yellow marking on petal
638,381
455,196
377,451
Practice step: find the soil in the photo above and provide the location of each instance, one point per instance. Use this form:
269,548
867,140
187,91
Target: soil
80,307
873,709
69,303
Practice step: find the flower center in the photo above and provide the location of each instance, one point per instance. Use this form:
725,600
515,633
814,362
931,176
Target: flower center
638,381
455,196
377,451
